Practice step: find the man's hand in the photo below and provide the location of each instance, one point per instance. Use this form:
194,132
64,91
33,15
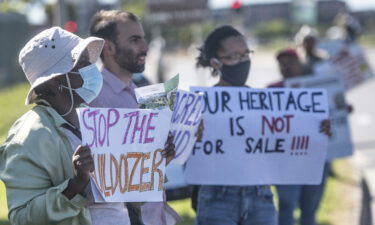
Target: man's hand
199,133
169,149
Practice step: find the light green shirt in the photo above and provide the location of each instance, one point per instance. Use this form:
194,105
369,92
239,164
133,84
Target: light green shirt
36,165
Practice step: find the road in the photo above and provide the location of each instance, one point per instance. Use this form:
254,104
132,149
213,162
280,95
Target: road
363,119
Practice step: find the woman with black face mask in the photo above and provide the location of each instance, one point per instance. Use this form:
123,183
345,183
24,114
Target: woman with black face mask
226,53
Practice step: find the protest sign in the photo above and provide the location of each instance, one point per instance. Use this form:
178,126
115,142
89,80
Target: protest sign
260,136
187,108
340,144
349,61
126,145
187,114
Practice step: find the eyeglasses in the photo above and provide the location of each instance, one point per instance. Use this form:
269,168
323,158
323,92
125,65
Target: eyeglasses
236,58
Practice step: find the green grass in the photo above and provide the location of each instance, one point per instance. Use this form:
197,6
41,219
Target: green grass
12,106
338,200
183,207
335,209
3,206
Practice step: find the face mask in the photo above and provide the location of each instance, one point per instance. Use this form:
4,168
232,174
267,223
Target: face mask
237,74
92,83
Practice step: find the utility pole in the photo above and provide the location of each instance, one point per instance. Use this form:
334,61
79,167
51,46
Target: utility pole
59,18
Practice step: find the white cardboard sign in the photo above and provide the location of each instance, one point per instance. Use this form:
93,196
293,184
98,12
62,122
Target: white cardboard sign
260,136
126,145
349,61
340,144
187,114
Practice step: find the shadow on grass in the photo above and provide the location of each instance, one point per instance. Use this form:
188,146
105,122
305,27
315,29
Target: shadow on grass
186,220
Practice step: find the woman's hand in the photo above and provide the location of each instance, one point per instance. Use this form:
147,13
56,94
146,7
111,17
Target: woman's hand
83,165
325,127
199,133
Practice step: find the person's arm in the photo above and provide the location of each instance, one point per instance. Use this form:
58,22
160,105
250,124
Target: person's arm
33,198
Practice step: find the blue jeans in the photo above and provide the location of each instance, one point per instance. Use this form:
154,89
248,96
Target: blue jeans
235,205
306,196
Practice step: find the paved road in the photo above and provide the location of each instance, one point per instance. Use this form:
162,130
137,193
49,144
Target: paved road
363,119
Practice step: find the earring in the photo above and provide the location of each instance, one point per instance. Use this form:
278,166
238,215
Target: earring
60,88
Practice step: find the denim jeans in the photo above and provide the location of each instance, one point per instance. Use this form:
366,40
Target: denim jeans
306,196
235,205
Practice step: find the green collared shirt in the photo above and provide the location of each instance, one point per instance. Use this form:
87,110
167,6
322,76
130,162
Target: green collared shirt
36,165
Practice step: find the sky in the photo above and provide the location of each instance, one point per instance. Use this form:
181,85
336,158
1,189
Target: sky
354,5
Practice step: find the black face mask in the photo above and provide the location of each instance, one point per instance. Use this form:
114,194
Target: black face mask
237,74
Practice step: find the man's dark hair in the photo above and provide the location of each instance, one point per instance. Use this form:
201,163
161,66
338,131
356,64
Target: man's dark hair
213,43
104,23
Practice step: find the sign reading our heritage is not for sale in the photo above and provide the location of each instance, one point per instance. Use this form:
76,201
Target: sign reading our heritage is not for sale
260,136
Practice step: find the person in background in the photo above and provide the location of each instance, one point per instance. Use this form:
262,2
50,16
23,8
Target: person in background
290,66
47,175
307,39
306,197
345,27
124,54
226,53
350,26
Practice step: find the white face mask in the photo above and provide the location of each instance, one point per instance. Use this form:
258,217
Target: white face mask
92,83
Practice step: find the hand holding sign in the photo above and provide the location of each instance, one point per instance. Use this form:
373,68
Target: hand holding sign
169,149
260,136
199,133
127,152
83,165
325,127
340,144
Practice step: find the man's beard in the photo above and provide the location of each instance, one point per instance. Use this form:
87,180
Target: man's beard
127,60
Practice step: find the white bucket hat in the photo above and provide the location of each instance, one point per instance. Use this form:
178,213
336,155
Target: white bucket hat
54,52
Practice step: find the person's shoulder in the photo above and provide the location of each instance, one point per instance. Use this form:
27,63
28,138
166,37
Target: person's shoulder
35,124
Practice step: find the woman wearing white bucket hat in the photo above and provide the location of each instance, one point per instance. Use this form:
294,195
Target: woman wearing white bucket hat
44,175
